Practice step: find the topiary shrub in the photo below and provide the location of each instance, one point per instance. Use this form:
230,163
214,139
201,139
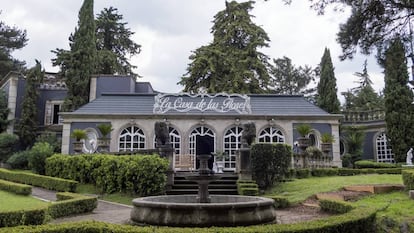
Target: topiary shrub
335,206
408,179
8,144
38,154
270,163
19,160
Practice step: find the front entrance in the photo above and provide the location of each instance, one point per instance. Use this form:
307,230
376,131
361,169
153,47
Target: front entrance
202,141
205,146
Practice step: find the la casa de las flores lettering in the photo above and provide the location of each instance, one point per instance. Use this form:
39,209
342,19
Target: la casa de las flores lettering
185,102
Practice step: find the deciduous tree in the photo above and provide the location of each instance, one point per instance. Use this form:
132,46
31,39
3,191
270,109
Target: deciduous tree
232,62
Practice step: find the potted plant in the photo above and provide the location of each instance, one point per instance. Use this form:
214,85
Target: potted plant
78,135
104,141
304,130
327,139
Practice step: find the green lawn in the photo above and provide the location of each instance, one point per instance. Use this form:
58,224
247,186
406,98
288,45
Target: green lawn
10,202
300,189
396,210
122,198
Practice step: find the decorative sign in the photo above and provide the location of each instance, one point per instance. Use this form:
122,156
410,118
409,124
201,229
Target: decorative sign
221,102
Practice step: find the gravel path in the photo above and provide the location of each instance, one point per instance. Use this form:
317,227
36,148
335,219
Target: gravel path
120,214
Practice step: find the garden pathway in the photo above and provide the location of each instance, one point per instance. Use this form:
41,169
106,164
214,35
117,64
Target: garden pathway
119,214
105,212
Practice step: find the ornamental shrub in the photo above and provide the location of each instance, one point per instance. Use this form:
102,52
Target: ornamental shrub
19,160
270,163
38,154
138,174
335,206
8,144
408,179
20,189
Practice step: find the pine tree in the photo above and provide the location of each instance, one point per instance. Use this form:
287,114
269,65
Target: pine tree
371,24
327,98
398,99
11,38
4,112
114,43
27,125
232,62
363,97
288,79
80,63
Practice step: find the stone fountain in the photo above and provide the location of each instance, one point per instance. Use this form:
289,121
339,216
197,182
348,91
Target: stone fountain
202,210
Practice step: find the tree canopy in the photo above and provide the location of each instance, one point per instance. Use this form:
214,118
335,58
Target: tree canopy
232,62
288,79
373,24
363,97
327,98
11,39
114,44
80,63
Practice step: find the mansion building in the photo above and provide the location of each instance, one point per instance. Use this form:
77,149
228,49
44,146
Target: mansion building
199,123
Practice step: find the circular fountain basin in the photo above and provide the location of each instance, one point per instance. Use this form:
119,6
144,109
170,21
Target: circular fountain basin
184,211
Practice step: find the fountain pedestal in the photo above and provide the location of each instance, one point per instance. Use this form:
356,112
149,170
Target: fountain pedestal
203,178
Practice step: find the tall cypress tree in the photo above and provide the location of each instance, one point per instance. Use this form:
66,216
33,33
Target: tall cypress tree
27,125
232,62
398,99
327,98
79,64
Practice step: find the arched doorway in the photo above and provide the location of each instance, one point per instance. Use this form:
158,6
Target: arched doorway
202,141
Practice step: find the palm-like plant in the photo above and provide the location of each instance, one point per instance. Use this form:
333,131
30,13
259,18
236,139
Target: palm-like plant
304,129
78,134
105,129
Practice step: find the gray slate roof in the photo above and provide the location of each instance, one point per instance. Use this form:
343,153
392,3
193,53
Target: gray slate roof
143,104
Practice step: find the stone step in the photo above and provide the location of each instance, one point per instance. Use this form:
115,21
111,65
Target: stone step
195,191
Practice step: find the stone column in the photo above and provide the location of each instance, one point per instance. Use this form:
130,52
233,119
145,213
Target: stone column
243,164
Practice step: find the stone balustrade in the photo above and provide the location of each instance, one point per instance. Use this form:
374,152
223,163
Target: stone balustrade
363,116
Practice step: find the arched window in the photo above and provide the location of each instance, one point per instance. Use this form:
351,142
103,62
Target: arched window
131,138
384,151
271,135
175,140
232,142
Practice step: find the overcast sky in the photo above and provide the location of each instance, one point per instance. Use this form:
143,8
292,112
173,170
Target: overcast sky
169,30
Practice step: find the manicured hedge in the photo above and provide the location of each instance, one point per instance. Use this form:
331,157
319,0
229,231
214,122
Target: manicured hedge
140,174
408,179
247,188
270,163
20,189
335,206
319,172
280,202
47,182
72,203
359,220
23,217
352,172
372,164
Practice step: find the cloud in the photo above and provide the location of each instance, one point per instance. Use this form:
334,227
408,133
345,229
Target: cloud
169,30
